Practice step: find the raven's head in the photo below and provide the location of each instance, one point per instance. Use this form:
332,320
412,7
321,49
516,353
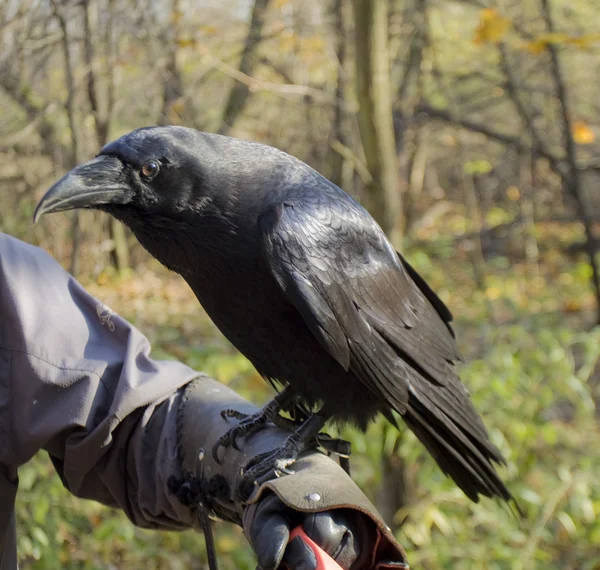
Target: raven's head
175,188
158,170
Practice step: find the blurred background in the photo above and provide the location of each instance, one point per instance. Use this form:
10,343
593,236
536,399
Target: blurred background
469,128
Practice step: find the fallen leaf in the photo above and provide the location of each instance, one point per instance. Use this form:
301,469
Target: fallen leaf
582,134
492,27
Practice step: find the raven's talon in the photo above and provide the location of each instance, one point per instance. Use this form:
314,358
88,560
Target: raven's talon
279,471
228,439
230,413
248,424
270,465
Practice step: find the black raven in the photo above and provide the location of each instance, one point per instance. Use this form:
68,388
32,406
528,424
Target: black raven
301,279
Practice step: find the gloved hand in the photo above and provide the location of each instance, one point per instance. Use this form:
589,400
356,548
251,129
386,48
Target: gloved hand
341,533
319,494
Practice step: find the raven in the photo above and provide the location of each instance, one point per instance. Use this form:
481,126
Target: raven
302,280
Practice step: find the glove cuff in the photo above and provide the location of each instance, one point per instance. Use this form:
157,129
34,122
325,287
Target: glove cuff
319,484
199,427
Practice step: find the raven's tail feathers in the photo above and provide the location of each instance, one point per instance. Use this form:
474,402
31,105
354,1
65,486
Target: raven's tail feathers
468,461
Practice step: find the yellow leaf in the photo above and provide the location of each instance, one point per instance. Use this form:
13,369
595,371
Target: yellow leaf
582,134
186,43
513,193
287,43
571,305
536,47
227,544
555,38
315,43
493,293
583,42
492,27
176,15
178,106
209,30
542,41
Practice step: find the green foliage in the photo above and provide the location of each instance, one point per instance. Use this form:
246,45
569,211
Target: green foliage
57,530
533,389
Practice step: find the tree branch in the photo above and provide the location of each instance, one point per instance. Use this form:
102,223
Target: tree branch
509,140
539,147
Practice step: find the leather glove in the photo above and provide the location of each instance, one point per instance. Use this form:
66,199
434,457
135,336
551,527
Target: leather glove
319,494
342,533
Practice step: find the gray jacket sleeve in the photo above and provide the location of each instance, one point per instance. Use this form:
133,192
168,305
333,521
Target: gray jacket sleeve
77,381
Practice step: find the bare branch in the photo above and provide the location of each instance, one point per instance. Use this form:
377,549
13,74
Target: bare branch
539,146
254,84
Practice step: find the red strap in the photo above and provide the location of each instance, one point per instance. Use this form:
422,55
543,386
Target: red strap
324,561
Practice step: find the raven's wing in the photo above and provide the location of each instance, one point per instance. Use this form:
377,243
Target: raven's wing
377,317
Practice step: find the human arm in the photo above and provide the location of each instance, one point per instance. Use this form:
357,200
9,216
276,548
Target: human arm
77,381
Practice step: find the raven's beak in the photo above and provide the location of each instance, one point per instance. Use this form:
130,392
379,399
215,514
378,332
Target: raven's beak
93,184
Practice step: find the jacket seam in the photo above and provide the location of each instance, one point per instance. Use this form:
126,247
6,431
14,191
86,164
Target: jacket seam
59,367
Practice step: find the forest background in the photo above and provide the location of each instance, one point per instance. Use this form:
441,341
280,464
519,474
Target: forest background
469,128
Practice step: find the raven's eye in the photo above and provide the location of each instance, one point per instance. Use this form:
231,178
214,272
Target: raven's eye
150,169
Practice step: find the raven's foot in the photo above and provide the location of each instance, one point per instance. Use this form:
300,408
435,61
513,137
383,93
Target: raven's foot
279,421
336,446
270,465
249,424
276,463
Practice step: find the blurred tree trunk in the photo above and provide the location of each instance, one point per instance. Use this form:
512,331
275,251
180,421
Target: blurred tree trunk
411,149
172,81
119,252
339,127
384,127
398,484
172,89
376,125
238,96
73,131
574,182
